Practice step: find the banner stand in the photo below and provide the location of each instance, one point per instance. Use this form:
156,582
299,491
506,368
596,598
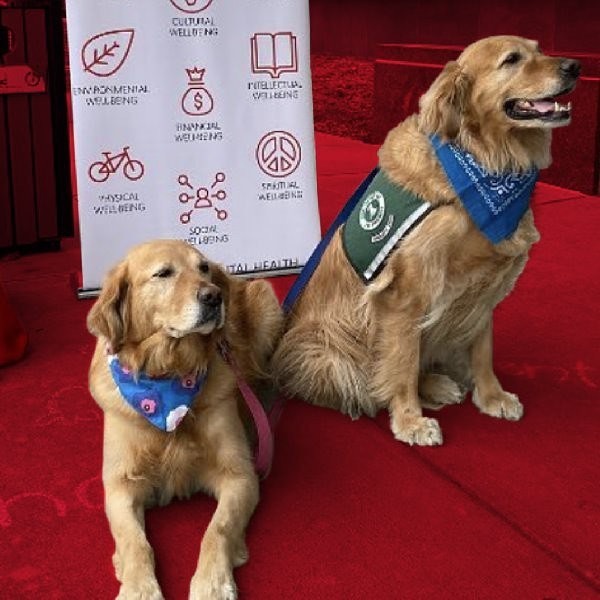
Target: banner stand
193,120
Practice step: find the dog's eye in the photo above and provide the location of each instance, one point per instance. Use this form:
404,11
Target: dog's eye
512,59
164,272
204,267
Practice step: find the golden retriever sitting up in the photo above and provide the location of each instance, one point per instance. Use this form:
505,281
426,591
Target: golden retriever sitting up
158,319
420,333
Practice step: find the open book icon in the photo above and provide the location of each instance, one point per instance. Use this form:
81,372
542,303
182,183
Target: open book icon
274,53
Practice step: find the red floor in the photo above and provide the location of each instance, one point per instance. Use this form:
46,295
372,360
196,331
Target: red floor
500,511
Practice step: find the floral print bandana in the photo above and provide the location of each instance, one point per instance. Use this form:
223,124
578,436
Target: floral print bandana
495,201
164,402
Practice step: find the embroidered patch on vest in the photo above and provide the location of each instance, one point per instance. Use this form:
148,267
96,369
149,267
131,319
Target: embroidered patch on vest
384,215
496,202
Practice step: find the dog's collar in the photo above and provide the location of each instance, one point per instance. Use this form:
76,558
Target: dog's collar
494,201
162,401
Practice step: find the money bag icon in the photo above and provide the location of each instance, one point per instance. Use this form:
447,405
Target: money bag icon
197,100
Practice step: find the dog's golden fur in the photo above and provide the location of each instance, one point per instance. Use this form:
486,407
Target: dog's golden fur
151,313
421,333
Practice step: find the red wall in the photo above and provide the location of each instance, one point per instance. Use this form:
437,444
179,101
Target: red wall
355,27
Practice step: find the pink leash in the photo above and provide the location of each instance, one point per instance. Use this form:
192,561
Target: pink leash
264,424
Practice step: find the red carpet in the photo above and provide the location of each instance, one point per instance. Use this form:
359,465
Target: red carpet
500,511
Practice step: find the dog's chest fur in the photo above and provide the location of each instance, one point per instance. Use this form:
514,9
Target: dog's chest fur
174,466
174,463
170,465
462,308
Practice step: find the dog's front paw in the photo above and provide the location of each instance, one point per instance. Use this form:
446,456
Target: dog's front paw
216,586
422,431
500,404
148,589
437,391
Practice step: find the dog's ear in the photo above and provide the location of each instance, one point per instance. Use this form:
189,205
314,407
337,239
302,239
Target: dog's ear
443,106
221,278
109,316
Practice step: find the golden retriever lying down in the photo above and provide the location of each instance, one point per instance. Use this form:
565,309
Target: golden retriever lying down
420,334
158,319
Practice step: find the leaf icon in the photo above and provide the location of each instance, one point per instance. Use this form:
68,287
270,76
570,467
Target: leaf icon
105,53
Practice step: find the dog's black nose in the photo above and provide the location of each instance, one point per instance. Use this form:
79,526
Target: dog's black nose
210,296
569,67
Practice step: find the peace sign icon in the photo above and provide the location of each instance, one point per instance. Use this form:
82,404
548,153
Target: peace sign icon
278,153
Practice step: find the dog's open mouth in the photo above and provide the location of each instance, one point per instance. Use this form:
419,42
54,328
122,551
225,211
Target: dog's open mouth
546,109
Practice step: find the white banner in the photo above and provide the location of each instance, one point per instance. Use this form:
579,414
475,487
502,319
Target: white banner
193,120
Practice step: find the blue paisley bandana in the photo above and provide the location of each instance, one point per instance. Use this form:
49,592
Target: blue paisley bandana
162,401
495,201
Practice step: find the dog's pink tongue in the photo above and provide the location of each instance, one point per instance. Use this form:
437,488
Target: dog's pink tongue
543,106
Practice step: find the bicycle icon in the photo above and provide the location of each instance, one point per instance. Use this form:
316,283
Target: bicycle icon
101,170
203,198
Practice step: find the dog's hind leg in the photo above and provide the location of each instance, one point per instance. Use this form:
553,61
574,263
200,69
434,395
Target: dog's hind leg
437,390
324,366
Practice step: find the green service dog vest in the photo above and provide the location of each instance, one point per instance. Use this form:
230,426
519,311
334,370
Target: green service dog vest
384,215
